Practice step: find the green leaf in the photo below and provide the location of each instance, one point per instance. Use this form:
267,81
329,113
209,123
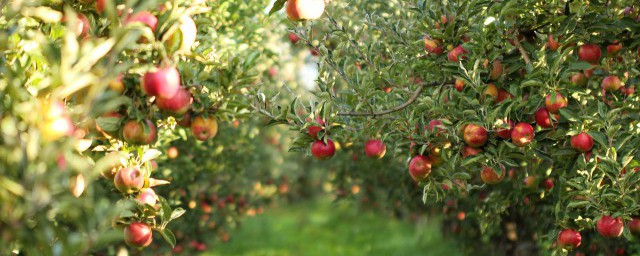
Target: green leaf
168,236
177,213
277,6
150,155
109,124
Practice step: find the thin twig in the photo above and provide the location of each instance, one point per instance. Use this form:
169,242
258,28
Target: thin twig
410,101
524,53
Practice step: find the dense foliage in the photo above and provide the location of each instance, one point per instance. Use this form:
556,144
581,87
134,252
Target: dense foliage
466,93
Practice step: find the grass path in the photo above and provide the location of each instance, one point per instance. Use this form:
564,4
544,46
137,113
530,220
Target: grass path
322,228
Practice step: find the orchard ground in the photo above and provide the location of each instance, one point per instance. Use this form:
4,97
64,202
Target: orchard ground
323,227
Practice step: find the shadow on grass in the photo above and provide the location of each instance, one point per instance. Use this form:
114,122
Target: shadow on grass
323,228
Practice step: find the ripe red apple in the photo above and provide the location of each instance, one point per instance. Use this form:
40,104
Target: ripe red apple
569,239
459,85
628,91
611,83
145,17
147,196
375,149
314,130
610,227
177,105
634,226
531,182
204,128
543,118
497,70
456,54
162,82
614,48
491,93
293,38
468,151
433,46
129,180
548,184
185,121
419,168
555,101
590,53
139,133
579,79
475,135
503,95
436,124
522,134
138,235
490,176
322,151
304,9
504,128
589,72
100,5
172,152
553,44
582,142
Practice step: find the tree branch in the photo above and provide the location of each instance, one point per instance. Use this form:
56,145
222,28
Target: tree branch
410,101
524,53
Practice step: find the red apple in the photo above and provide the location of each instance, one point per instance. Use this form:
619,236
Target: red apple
553,44
459,85
628,91
322,151
634,226
611,83
569,239
433,46
522,134
543,118
475,135
204,128
531,182
582,142
497,70
548,184
614,48
375,149
419,168
138,235
490,176
147,196
139,133
504,128
144,17
579,79
172,152
129,180
293,38
555,101
100,5
610,227
503,95
456,54
185,121
436,124
304,9
314,130
162,82
468,151
590,53
491,92
589,72
177,105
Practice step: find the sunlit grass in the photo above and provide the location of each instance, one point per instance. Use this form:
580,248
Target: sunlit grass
322,228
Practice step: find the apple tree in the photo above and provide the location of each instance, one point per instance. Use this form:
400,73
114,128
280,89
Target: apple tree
518,118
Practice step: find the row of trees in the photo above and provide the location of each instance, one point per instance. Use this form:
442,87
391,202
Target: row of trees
518,118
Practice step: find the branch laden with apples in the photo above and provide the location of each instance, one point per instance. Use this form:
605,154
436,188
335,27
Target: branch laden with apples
542,91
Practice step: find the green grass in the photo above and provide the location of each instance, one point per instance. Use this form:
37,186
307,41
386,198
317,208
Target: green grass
322,228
